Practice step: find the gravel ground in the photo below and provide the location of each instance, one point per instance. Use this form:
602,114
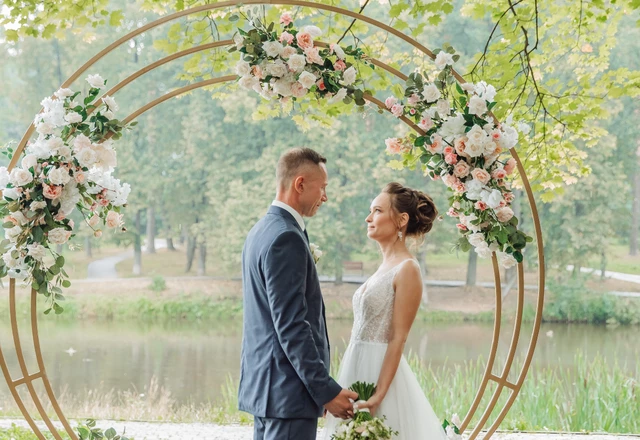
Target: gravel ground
205,431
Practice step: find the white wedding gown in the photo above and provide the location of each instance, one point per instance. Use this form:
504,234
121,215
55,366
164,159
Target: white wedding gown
405,406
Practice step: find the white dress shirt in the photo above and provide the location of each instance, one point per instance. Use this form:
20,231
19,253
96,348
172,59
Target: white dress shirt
291,211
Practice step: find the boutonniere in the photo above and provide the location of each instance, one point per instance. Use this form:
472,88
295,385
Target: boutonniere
315,252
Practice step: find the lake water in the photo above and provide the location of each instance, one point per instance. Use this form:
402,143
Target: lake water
193,361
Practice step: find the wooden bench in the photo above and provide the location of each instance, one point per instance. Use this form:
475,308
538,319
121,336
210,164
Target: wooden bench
353,265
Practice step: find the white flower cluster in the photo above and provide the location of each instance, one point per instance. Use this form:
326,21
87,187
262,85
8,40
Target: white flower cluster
63,169
356,429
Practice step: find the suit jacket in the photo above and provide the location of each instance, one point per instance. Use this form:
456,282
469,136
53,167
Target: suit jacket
284,370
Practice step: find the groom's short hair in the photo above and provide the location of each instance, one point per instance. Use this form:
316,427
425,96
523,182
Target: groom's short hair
292,161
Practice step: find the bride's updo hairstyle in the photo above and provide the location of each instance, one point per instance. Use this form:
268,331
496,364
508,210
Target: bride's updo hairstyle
420,207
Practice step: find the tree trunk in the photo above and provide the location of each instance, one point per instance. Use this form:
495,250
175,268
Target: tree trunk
191,252
137,245
603,264
635,215
151,230
202,259
87,247
339,269
170,245
472,267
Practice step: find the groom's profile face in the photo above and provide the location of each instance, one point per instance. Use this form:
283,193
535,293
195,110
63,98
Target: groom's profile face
314,194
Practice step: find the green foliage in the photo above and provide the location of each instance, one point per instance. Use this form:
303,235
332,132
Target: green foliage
88,431
158,284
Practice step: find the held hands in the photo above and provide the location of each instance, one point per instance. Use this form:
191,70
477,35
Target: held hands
342,405
372,404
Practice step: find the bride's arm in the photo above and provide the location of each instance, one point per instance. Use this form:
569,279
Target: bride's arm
408,286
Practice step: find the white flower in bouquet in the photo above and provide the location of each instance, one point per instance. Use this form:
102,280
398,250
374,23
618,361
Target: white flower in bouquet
509,137
349,76
45,128
451,434
485,91
106,158
69,198
54,143
35,206
29,161
443,59
315,252
17,216
492,198
338,97
272,48
504,214
243,68
431,93
4,177
238,40
476,239
507,260
452,127
12,234
248,82
469,87
63,93
73,118
113,220
483,250
110,103
314,31
288,52
86,157
95,81
9,261
297,62
455,419
474,189
307,79
477,106
59,235
81,141
283,87
335,48
20,177
59,176
10,193
276,68
36,251
443,107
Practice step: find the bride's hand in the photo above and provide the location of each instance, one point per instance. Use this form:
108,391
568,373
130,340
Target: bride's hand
372,404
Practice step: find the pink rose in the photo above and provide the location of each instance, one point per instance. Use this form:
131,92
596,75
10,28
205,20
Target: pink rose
459,187
426,123
298,90
495,134
313,55
257,72
413,99
103,202
412,111
437,144
509,197
390,102
461,169
448,150
286,19
59,217
481,175
451,159
503,203
397,110
450,180
93,221
504,214
452,213
498,173
510,166
51,191
304,39
480,205
321,85
461,227
394,146
286,37
340,65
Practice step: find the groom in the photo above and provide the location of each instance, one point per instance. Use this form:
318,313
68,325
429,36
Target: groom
284,373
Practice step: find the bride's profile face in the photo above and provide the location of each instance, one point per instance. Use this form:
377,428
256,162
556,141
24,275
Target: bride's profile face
381,225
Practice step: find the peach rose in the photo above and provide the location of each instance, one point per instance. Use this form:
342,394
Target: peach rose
93,221
459,187
286,19
51,191
509,197
79,177
113,219
103,202
286,37
448,150
452,213
450,180
451,159
461,227
59,216
340,65
481,175
298,90
460,145
504,214
461,169
305,40
394,146
313,55
498,173
510,166
480,205
321,85
257,72
97,233
426,123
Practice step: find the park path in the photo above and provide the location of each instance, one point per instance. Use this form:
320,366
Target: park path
106,267
208,431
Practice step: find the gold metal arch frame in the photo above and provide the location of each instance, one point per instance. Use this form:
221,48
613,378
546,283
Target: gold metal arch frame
503,385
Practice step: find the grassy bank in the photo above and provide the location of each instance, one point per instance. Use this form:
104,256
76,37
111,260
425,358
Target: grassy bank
595,396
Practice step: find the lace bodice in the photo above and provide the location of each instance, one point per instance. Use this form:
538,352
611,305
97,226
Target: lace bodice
373,307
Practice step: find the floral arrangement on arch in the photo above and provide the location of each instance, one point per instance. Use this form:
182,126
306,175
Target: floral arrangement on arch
68,166
289,65
462,146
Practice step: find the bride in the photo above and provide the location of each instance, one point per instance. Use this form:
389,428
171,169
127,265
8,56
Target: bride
384,308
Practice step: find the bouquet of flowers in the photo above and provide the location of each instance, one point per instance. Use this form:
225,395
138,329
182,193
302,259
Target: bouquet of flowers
364,425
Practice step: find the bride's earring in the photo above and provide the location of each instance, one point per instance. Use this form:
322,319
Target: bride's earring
400,235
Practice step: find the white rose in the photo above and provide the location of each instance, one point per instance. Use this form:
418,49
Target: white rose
54,142
107,158
314,31
468,87
12,234
272,48
349,76
338,97
243,68
335,48
507,260
307,79
20,217
509,137
443,59
283,87
10,193
45,128
485,90
59,235
474,189
276,68
93,221
64,152
452,127
73,117
477,106
455,419
95,81
297,62
110,102
29,161
108,114
38,205
443,107
4,177
248,82
483,251
475,240
9,261
20,177
86,157
493,198
238,40
288,51
59,176
36,251
81,141
431,93
64,93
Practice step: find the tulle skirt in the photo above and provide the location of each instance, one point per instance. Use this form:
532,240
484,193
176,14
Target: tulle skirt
405,406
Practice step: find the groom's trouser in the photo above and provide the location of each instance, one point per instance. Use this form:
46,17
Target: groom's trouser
265,428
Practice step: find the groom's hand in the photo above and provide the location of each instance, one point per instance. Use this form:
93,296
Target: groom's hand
342,405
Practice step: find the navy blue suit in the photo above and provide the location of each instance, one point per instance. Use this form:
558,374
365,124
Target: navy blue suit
284,373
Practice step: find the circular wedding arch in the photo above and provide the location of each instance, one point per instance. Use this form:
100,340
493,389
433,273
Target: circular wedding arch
501,381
